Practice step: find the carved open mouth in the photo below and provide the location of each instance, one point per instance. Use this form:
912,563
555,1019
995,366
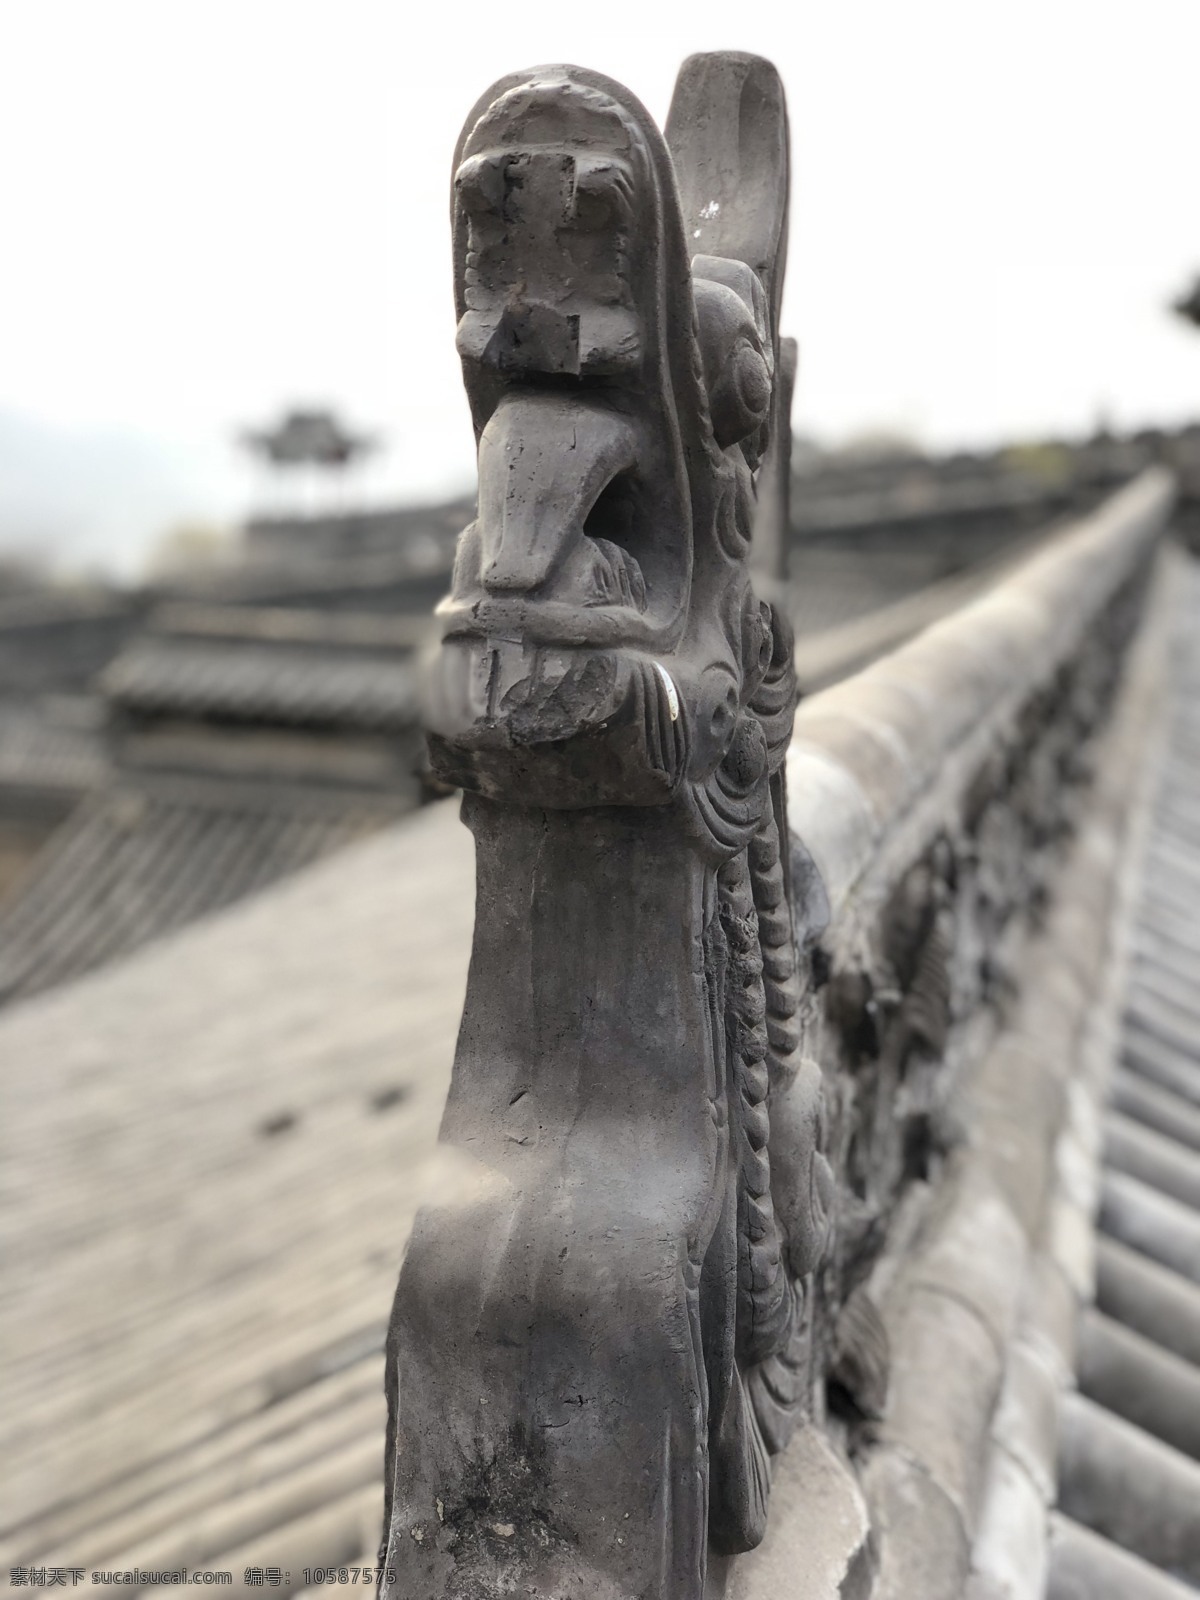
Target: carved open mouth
612,574
567,548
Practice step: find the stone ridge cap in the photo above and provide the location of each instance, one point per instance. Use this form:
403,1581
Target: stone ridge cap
991,1237
890,750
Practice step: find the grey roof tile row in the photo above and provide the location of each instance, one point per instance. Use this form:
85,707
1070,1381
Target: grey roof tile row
41,750
129,867
210,1156
1130,1453
260,682
194,1150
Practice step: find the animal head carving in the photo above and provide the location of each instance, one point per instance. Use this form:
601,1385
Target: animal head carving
633,1289
602,642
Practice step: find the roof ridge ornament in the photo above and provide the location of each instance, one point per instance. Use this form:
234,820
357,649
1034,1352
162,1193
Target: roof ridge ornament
602,1329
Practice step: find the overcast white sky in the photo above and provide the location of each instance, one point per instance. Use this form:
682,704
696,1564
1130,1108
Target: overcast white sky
216,207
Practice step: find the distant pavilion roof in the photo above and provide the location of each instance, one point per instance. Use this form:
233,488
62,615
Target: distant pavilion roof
316,438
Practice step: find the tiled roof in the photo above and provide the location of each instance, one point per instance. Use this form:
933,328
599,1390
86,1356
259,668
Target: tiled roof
130,866
261,682
42,750
1130,1448
246,742
217,1148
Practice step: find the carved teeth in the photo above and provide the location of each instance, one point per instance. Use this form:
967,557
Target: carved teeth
617,576
669,686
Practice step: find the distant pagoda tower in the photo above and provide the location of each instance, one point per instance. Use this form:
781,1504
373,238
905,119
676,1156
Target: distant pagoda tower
308,450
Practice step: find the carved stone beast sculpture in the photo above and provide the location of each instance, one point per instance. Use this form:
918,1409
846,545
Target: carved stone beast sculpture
600,1334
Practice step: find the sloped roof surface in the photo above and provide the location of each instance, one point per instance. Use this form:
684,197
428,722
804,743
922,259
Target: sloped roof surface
129,866
260,682
217,1148
38,749
1130,1452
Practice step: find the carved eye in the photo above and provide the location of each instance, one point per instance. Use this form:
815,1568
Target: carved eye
481,185
741,396
751,380
737,369
602,195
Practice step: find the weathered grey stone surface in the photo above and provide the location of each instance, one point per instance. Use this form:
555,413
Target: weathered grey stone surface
1049,1318
922,1545
940,1346
599,1343
602,1338
1020,1086
977,664
1025,1425
1071,1240
1009,1554
818,1542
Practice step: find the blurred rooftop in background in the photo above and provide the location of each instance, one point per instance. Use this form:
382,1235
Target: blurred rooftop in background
217,211
167,750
